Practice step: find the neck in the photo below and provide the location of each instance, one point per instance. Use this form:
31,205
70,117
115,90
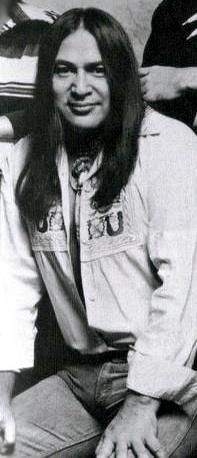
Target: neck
83,143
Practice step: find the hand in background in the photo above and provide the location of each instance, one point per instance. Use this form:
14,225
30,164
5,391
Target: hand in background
161,83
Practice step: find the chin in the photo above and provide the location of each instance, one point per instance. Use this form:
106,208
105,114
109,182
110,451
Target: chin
84,124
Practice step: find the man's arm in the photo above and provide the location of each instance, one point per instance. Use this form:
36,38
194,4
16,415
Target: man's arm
157,364
20,281
20,291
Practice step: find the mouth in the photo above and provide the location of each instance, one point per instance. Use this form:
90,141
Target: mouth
81,108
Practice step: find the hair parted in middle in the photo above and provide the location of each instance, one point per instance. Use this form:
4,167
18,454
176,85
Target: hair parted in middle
38,184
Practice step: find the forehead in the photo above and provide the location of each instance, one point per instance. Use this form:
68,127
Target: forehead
79,47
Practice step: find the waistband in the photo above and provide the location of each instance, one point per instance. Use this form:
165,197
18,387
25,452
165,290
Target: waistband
96,358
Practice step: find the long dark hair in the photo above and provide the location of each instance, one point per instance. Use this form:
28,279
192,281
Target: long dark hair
38,184
14,2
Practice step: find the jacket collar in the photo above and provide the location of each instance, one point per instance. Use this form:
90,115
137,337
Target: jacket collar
149,127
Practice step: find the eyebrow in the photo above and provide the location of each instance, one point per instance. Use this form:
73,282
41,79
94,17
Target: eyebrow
88,66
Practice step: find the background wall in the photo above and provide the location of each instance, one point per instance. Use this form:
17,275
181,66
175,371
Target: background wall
135,15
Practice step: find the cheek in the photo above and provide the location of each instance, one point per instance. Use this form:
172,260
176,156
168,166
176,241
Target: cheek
59,89
106,96
107,101
55,87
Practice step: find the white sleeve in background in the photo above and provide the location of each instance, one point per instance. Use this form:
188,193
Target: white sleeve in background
158,365
20,283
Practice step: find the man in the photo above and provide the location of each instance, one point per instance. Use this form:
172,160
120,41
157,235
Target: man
21,27
104,218
169,73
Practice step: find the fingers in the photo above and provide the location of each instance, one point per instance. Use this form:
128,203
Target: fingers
144,92
144,85
144,71
140,449
105,448
99,446
8,436
113,455
155,447
121,450
143,89
130,454
10,432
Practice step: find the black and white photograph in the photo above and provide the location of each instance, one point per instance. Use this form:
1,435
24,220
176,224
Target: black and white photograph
98,228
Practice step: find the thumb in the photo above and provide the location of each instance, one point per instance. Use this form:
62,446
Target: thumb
144,71
10,430
9,435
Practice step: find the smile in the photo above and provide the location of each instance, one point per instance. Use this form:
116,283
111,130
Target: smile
79,108
82,105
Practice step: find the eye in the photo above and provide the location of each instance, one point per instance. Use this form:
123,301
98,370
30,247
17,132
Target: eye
100,70
62,70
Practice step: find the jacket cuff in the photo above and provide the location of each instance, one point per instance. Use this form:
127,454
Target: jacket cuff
16,356
161,379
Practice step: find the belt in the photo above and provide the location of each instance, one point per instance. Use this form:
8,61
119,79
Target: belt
96,358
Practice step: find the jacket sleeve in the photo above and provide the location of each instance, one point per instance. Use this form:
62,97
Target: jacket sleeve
159,364
166,44
20,283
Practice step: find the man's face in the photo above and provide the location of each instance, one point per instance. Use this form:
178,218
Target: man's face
80,85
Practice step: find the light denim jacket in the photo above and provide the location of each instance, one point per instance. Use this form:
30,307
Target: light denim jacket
138,265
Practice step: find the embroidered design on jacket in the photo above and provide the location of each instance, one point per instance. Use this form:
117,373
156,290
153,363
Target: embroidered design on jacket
49,234
111,224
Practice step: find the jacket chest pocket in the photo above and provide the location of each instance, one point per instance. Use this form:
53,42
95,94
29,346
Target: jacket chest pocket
49,234
106,231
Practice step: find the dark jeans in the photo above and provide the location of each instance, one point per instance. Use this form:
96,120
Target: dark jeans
65,414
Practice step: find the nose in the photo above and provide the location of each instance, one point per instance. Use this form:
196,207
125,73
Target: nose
81,86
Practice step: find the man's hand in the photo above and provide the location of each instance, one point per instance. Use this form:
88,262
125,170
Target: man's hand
7,428
133,432
7,423
165,83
